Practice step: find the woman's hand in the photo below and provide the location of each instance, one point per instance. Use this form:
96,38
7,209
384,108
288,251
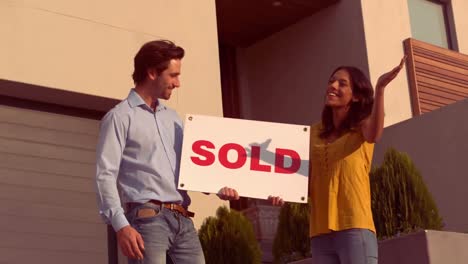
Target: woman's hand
386,78
276,200
372,127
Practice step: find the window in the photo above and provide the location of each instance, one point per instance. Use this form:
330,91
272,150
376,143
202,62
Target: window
431,22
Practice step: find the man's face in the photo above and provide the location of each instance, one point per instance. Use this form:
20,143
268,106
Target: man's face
167,80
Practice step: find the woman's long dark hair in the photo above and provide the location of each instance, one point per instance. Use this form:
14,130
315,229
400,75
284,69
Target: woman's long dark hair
358,111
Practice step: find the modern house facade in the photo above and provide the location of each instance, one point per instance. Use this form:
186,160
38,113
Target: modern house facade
282,78
64,64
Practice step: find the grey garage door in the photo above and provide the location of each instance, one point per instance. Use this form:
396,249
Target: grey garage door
47,204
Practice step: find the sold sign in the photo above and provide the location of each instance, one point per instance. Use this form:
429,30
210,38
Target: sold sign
257,159
201,147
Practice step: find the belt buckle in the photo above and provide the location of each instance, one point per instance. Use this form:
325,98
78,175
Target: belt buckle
171,206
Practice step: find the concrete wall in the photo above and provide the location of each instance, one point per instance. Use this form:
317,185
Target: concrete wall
386,25
447,247
437,144
410,248
425,247
435,141
88,47
461,24
283,77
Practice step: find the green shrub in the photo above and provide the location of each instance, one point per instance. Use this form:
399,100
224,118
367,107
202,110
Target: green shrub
401,202
229,238
292,236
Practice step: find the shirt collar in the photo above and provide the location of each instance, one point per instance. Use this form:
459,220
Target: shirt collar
134,99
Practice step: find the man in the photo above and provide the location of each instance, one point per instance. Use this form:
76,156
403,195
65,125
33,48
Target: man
138,158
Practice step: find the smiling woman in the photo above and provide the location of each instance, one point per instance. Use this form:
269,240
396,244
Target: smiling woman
341,148
348,91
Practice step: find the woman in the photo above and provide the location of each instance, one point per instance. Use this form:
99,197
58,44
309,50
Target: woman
341,225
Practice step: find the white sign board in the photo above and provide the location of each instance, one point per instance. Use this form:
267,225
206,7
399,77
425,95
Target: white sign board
258,159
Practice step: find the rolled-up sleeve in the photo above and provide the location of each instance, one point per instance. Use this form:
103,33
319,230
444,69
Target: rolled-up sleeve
112,138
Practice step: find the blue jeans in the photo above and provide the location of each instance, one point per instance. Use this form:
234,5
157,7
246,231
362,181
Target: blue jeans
352,246
169,237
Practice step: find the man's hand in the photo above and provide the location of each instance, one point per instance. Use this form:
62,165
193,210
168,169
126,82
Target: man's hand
276,200
227,193
130,242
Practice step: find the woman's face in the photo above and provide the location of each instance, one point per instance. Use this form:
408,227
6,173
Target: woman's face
339,90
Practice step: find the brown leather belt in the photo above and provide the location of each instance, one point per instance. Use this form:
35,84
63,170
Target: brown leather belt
171,206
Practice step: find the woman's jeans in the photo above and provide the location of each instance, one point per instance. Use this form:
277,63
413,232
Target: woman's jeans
351,246
169,237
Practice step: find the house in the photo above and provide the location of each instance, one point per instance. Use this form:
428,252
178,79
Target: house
63,65
282,78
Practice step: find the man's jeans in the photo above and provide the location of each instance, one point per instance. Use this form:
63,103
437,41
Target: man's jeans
169,237
352,246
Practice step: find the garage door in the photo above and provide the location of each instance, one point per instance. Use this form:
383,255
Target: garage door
48,211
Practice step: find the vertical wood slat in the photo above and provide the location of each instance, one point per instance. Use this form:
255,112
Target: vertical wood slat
411,69
435,66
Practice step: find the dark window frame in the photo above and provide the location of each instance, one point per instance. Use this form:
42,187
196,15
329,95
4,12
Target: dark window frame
449,22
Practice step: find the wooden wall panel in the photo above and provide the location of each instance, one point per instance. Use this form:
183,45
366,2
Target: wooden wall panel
37,164
49,121
26,132
48,210
42,210
17,255
437,76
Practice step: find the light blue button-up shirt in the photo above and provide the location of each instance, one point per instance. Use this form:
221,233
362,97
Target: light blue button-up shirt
138,157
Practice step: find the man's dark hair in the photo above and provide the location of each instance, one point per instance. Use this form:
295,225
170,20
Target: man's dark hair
155,54
358,111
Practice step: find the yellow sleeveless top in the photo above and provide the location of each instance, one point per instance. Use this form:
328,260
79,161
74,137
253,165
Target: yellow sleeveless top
339,183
